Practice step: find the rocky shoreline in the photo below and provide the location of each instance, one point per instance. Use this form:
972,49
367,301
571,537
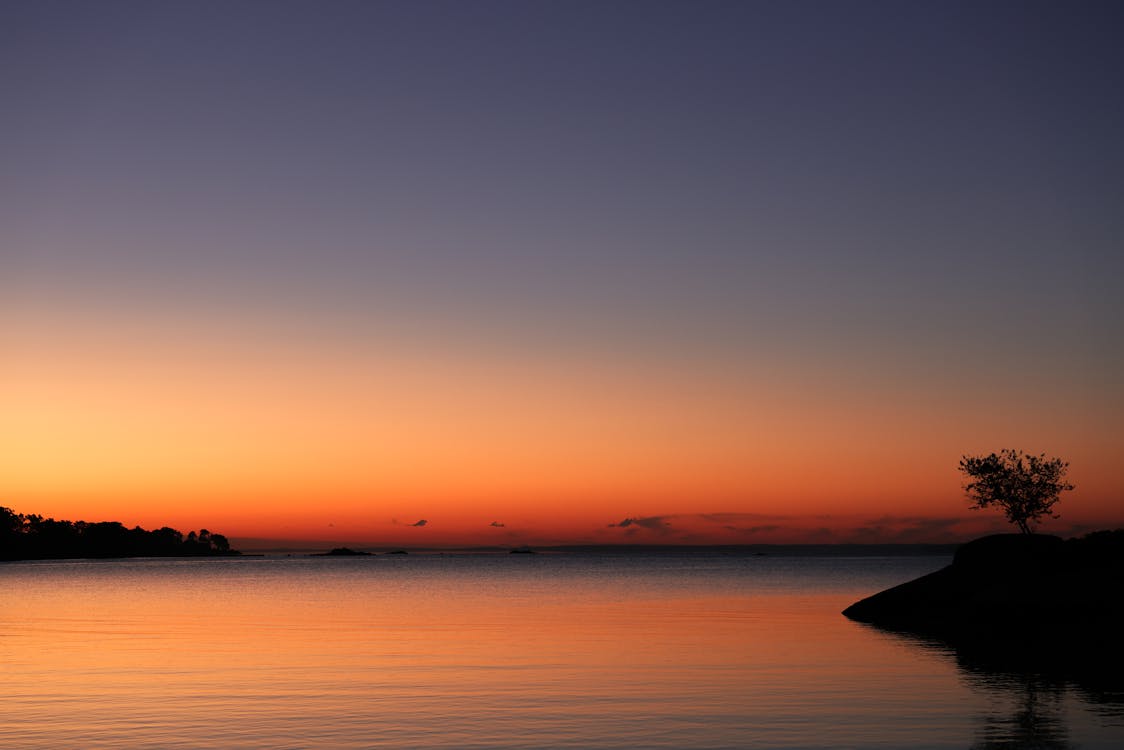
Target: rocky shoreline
1019,600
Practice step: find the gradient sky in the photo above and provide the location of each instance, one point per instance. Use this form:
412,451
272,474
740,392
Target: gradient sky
558,271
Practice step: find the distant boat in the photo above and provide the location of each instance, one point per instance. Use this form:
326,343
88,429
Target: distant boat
524,550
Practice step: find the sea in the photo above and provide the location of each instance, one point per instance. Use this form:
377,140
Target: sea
699,649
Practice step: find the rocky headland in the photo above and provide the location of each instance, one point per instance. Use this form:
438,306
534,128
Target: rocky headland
1018,599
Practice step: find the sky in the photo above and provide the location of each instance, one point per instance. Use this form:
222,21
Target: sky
558,272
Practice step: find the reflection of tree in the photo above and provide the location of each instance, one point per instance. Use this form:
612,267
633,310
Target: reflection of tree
1035,718
1010,606
1024,690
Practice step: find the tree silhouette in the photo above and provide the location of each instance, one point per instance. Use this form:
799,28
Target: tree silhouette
220,543
1025,486
32,537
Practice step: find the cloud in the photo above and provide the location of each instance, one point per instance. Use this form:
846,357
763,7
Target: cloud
747,528
745,523
422,522
652,523
734,519
764,529
497,524
909,530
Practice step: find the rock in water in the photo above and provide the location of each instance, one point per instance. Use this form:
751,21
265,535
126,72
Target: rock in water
1019,593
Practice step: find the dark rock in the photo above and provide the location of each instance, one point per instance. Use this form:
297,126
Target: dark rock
1010,553
343,552
1013,594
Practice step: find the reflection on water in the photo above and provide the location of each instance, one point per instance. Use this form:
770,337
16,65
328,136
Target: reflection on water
1027,692
1029,707
492,652
1030,714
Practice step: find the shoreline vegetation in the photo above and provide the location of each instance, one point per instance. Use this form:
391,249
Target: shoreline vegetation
32,537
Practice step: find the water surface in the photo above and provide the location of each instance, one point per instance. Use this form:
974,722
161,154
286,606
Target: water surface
497,651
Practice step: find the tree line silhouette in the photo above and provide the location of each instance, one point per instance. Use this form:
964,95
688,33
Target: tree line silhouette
32,537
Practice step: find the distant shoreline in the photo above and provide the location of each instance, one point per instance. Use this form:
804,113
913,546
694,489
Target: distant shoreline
29,536
747,550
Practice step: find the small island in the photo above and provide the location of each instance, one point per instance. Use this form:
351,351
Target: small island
342,552
32,537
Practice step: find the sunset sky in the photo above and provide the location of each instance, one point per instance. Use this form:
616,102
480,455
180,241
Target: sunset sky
558,272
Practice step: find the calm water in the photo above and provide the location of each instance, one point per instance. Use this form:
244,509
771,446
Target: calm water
542,651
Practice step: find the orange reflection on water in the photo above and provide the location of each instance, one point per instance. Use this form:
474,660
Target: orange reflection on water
431,653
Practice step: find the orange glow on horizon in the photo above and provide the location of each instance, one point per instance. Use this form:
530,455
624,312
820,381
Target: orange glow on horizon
242,435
